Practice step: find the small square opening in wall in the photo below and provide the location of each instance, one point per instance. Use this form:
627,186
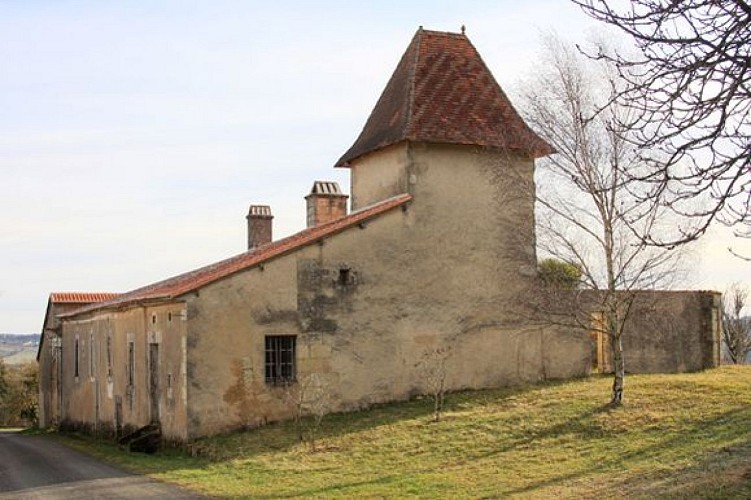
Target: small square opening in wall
153,319
169,317
345,276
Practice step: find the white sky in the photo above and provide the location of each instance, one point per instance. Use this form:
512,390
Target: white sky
134,135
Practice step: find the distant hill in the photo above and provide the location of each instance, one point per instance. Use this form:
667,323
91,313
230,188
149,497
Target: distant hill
18,348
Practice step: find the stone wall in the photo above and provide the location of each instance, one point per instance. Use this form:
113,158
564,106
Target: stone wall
673,332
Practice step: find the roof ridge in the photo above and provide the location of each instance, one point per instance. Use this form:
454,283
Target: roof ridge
444,33
417,39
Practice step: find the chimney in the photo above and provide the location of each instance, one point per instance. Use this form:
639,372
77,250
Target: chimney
326,202
259,225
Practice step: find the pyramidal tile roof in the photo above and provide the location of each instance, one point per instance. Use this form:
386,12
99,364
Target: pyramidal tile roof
193,280
442,92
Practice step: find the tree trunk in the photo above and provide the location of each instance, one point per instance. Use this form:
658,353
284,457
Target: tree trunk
437,406
619,372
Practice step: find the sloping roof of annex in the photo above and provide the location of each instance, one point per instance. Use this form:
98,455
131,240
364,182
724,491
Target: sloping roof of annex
69,298
176,286
80,297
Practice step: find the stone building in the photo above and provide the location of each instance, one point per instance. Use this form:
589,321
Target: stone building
437,249
49,353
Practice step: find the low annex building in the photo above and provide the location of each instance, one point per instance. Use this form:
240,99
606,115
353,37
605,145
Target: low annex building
49,353
437,248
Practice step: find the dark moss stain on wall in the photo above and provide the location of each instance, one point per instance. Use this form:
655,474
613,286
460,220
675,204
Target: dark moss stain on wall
322,291
268,316
238,395
193,375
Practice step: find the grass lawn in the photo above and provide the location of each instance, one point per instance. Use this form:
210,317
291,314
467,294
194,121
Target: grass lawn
676,436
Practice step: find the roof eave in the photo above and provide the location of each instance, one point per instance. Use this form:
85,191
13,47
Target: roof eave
113,306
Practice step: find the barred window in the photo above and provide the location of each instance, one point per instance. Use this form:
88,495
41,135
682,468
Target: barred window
280,359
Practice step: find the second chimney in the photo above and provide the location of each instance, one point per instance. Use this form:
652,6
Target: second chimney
259,225
326,202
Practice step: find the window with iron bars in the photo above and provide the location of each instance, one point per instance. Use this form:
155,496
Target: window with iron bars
281,366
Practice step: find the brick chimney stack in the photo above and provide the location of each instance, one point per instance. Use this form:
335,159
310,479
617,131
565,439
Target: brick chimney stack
326,202
259,225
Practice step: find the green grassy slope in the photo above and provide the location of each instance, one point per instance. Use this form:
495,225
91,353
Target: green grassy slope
677,435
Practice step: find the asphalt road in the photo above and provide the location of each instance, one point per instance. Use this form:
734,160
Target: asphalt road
34,467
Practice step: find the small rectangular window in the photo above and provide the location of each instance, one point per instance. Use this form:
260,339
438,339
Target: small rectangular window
280,359
345,277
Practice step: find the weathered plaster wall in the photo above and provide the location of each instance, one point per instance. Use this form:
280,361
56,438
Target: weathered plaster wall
443,272
102,390
667,331
227,322
673,331
50,365
48,372
48,387
379,176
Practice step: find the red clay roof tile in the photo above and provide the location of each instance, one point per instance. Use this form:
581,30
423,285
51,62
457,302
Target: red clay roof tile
190,281
442,92
80,297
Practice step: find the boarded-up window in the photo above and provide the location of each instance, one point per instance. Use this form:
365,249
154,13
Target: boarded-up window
280,359
109,356
76,357
131,363
91,355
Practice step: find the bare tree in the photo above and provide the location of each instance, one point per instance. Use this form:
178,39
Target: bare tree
690,85
736,329
310,396
590,212
433,373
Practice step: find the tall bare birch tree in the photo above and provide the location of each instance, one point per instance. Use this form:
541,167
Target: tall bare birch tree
589,211
689,78
736,329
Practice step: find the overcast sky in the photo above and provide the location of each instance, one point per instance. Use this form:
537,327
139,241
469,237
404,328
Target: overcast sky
134,135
